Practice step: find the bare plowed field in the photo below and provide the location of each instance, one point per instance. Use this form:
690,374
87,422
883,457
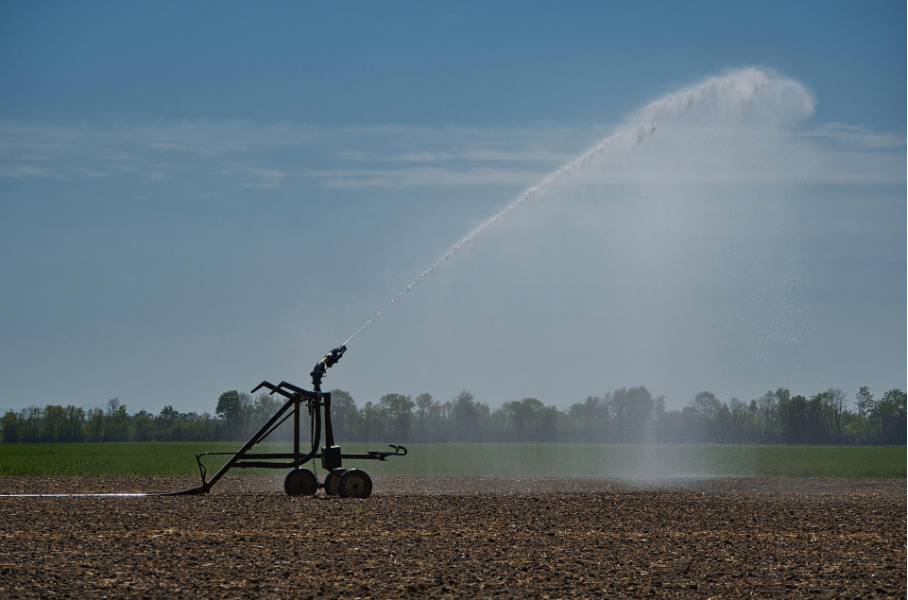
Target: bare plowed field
476,537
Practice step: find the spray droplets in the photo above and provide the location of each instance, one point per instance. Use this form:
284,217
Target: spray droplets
744,84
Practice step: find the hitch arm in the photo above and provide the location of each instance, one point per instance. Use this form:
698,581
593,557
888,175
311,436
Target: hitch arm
398,451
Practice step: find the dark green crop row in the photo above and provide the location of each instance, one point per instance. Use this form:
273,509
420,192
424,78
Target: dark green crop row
584,460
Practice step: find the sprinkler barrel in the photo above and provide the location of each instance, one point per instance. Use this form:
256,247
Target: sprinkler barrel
322,366
335,355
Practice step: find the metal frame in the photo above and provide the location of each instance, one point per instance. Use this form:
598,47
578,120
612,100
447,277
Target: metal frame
316,400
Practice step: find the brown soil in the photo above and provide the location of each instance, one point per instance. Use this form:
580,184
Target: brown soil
477,537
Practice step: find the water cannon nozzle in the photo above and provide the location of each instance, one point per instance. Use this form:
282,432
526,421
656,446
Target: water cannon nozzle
335,355
322,366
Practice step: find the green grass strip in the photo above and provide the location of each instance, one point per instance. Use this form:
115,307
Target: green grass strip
582,460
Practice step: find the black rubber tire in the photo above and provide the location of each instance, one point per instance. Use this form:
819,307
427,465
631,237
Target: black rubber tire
354,484
332,480
300,482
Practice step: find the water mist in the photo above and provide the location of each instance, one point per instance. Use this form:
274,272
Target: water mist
739,87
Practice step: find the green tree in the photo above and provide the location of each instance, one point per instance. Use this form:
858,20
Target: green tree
346,418
889,417
398,409
422,421
590,420
116,426
164,424
54,423
522,419
793,418
820,420
263,407
73,424
143,425
432,417
837,399
706,404
631,411
469,419
94,425
865,404
374,423
30,424
769,405
9,426
230,408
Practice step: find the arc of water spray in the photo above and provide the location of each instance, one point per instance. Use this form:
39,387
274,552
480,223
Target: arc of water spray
744,83
634,138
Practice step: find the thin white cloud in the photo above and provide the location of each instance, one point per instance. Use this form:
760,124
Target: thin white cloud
262,185
87,173
423,157
464,136
534,155
268,173
422,177
471,154
118,141
38,157
25,172
269,179
392,156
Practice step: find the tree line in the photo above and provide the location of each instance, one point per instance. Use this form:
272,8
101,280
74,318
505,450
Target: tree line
627,415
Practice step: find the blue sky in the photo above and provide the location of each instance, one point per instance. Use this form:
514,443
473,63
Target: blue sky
194,197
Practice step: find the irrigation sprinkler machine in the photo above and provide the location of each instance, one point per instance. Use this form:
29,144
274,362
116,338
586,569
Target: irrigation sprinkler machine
300,481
